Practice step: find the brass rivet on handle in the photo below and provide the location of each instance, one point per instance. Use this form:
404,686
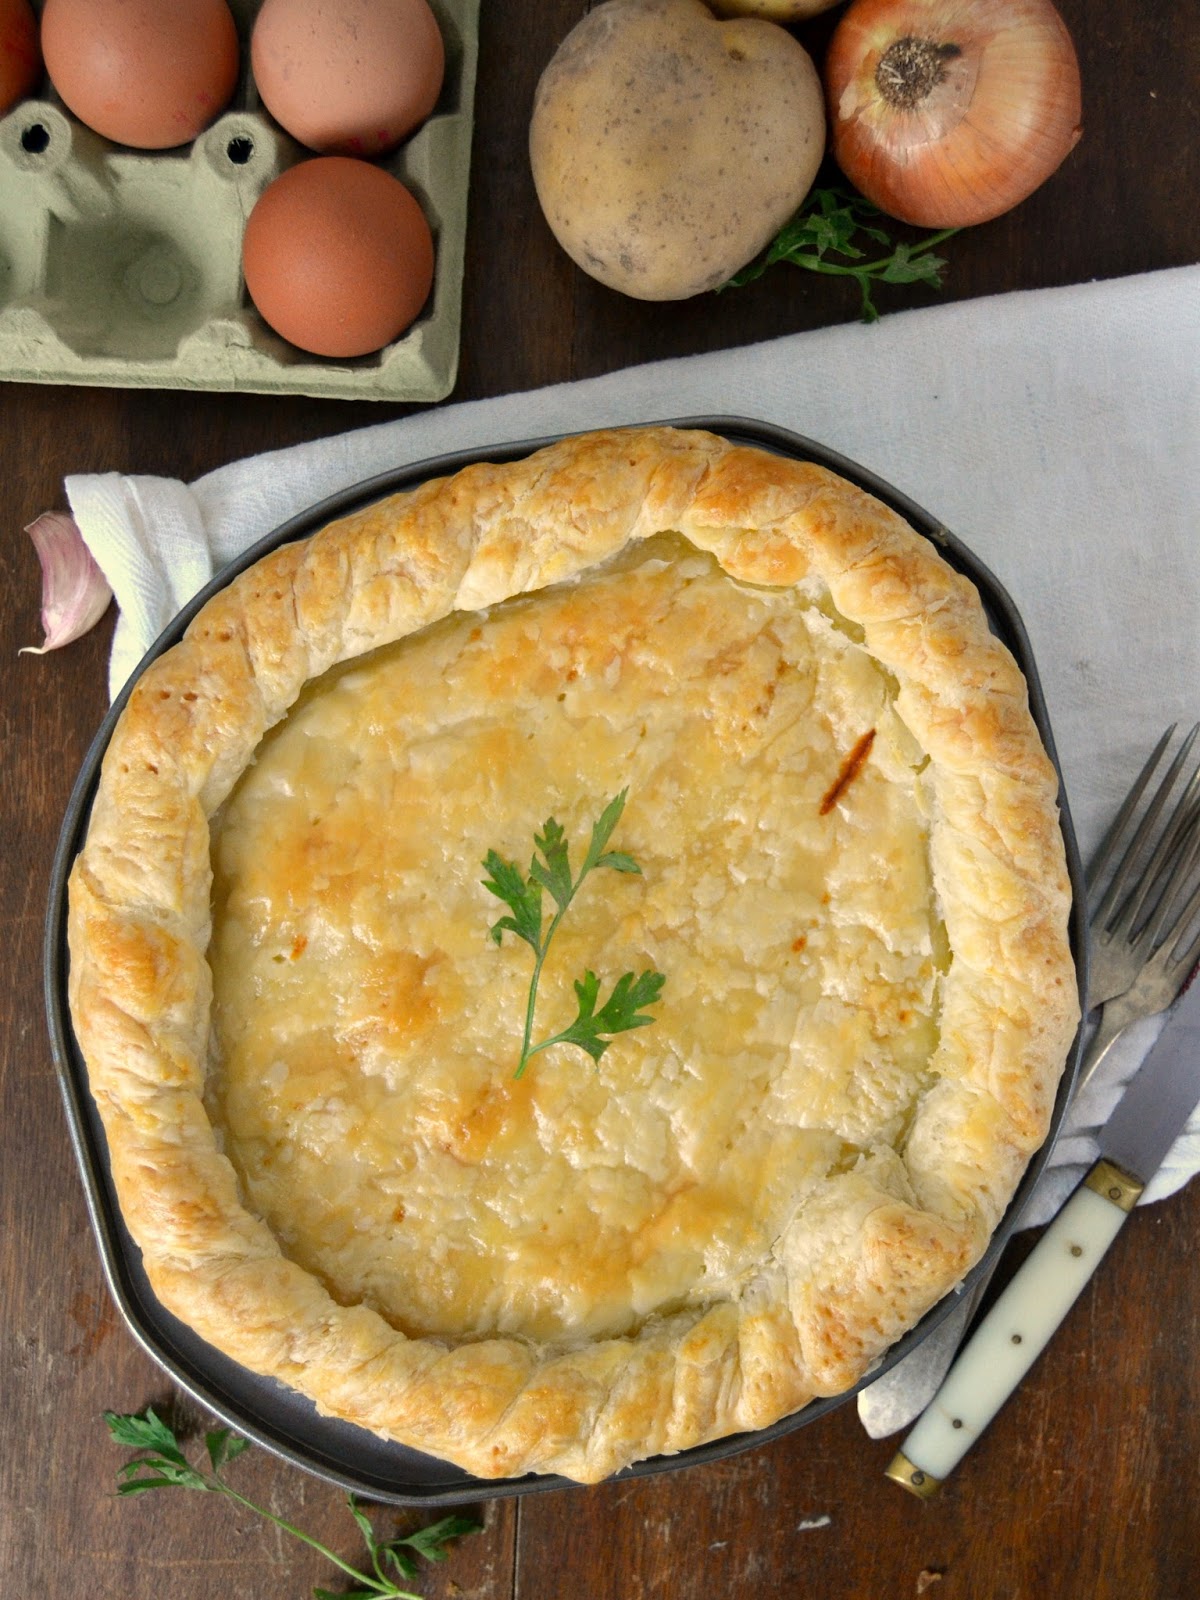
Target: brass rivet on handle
1113,1185
912,1478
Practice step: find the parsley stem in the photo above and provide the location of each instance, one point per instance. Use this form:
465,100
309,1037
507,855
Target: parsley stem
527,1053
383,1588
557,1038
915,250
864,269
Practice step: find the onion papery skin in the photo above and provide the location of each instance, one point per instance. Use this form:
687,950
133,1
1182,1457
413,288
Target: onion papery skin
1004,116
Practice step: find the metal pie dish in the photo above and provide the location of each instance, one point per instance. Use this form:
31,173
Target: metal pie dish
265,1411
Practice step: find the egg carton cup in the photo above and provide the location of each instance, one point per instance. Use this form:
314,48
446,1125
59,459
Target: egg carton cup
122,267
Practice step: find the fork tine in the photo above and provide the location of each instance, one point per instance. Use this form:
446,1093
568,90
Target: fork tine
1170,865
1099,862
1191,906
1126,865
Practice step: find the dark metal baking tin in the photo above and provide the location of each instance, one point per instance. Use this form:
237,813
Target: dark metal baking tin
262,1409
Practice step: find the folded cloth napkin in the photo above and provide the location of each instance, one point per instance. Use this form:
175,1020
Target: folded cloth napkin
1055,431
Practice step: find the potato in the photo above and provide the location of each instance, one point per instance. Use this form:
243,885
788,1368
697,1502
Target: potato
668,148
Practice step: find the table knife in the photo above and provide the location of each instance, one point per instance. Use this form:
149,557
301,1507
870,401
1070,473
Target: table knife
1133,1145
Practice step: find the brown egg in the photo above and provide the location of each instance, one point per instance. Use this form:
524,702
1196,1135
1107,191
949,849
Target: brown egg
20,58
147,73
353,77
338,256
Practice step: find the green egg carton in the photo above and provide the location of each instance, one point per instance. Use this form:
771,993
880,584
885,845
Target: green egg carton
122,267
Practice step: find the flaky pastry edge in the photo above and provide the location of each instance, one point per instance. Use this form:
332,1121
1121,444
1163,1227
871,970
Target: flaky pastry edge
825,1308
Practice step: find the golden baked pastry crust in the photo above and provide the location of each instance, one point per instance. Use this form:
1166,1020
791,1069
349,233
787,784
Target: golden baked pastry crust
880,1234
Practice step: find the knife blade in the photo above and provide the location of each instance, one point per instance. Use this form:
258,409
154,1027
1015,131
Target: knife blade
1133,1145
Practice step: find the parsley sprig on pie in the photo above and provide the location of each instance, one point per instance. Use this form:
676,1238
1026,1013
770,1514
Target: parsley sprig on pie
523,895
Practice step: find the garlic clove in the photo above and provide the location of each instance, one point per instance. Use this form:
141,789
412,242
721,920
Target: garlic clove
75,593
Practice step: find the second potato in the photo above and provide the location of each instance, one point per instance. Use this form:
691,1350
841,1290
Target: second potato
668,148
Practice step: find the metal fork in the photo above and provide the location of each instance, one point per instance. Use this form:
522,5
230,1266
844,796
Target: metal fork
1143,942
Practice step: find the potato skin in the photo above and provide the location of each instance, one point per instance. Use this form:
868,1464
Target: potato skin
668,148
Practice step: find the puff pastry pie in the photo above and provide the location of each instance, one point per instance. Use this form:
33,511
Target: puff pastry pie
302,1041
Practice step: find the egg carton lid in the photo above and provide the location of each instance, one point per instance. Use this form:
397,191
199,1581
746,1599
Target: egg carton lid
122,268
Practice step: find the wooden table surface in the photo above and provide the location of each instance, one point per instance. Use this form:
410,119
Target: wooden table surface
1086,1485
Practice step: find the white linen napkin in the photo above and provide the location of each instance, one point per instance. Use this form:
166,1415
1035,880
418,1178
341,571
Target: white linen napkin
1055,431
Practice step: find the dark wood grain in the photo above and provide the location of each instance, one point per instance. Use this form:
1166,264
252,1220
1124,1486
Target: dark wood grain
1085,1486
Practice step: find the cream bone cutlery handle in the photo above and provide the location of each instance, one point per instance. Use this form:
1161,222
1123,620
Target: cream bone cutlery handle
1017,1328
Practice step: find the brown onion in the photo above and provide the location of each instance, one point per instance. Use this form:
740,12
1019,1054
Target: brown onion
946,113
